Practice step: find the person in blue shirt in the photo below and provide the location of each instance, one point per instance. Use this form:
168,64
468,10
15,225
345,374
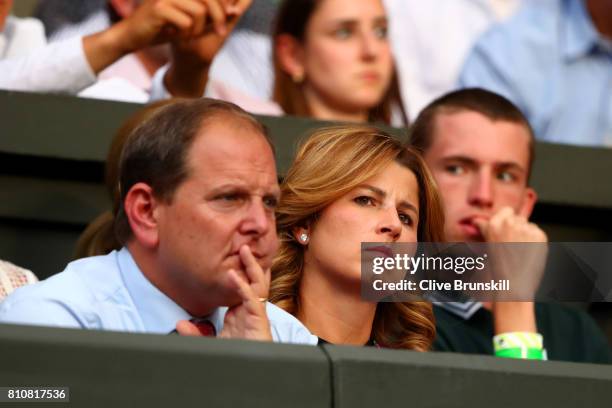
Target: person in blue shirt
553,59
198,188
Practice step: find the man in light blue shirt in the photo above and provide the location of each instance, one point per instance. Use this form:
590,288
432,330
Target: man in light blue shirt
198,189
554,61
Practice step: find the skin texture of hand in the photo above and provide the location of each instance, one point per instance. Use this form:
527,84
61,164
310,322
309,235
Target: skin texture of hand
247,320
506,226
525,269
192,57
186,328
514,317
522,259
153,22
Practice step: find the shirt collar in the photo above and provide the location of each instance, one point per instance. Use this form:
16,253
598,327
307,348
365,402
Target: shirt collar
462,308
158,312
580,35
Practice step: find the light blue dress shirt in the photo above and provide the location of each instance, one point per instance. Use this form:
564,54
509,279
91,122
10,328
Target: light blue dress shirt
550,60
111,293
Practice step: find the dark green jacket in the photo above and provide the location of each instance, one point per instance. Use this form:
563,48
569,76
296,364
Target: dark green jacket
569,334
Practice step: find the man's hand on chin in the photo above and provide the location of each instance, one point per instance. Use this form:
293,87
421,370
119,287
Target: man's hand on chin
248,318
525,270
508,226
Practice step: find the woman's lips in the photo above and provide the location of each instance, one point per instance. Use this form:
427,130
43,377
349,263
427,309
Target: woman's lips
370,76
381,250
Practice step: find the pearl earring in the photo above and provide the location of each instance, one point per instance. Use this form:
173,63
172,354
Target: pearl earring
304,237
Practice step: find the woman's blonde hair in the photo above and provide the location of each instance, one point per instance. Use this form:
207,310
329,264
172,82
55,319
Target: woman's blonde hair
332,162
99,237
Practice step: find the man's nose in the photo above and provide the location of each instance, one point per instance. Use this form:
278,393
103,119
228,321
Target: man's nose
258,218
481,190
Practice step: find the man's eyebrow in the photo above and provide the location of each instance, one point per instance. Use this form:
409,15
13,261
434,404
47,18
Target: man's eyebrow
275,191
471,162
383,194
229,186
242,188
510,166
461,159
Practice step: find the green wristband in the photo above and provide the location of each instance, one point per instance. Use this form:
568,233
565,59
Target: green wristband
525,353
519,345
518,340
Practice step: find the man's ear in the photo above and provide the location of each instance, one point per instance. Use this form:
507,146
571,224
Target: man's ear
529,199
141,208
290,56
124,8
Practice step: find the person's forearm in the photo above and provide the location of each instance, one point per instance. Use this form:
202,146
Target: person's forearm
104,48
186,80
514,317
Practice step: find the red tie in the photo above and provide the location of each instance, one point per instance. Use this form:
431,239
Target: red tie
205,327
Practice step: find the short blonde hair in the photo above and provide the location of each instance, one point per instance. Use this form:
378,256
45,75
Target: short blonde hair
331,163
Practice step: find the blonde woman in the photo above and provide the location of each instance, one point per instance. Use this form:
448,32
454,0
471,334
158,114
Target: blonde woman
348,185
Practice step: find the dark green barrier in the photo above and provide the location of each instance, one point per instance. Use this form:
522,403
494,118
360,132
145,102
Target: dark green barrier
78,129
105,369
368,377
